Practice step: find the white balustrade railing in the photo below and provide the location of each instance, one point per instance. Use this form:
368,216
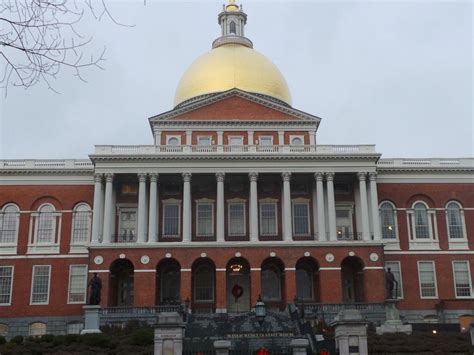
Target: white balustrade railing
46,164
426,163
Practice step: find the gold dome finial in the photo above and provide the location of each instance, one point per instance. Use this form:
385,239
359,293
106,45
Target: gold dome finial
232,6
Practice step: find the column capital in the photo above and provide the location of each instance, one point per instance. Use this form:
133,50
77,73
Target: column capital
220,176
109,177
253,176
318,176
373,176
154,177
98,177
362,175
187,177
141,177
330,176
286,176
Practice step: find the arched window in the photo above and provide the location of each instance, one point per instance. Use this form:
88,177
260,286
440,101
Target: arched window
9,221
388,221
46,224
81,224
455,220
170,281
204,284
297,141
37,329
422,225
271,282
232,27
173,141
306,269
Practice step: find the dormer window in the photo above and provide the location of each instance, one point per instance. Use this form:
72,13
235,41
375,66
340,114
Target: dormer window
232,28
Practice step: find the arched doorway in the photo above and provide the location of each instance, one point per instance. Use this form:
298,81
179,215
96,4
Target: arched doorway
238,285
307,280
168,282
203,281
273,283
352,276
121,283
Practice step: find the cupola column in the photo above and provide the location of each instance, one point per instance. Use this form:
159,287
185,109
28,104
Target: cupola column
108,208
331,207
220,207
253,210
187,214
98,205
364,206
320,198
374,201
141,228
153,209
287,232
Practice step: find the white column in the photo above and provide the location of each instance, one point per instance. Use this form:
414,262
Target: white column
187,213
281,138
158,138
287,232
189,136
108,208
250,138
364,206
98,197
141,227
220,207
153,209
253,210
320,198
374,201
220,137
331,207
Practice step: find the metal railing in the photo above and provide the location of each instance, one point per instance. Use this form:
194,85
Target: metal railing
133,310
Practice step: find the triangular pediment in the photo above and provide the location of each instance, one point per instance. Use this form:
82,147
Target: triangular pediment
235,105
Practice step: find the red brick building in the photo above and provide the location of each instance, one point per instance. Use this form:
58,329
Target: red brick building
234,199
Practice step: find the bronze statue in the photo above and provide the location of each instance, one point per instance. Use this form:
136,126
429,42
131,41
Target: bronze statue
95,285
390,283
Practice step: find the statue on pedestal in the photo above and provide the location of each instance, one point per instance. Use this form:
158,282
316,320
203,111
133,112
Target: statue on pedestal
95,285
390,283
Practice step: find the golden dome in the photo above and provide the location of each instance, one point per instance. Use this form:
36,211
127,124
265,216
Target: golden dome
232,6
232,66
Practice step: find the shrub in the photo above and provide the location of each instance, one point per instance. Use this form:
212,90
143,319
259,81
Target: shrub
72,338
47,338
17,339
143,336
98,340
2,340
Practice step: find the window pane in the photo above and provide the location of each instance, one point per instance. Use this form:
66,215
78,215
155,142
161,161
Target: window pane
173,141
204,219
170,284
9,219
204,284
40,289
171,220
271,283
395,270
81,225
266,140
387,221
427,279
268,219
236,219
46,225
455,225
304,284
300,219
6,280
204,140
462,279
422,230
235,141
297,141
77,284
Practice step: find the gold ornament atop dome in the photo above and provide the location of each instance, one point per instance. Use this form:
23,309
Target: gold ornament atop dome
232,6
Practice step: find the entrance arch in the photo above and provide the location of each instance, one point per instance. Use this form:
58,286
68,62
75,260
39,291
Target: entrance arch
352,278
168,282
121,283
307,280
238,285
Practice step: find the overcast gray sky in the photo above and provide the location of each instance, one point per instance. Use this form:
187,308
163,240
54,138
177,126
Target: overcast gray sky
397,74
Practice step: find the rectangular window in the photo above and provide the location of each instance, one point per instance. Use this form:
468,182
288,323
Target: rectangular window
236,219
6,282
344,223
395,269
268,222
462,279
427,277
81,227
204,219
128,225
77,284
266,140
40,284
300,219
204,140
46,227
171,214
9,225
236,140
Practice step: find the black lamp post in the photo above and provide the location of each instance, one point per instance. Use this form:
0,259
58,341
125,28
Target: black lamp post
260,310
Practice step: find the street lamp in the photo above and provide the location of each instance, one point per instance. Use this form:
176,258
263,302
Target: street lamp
260,310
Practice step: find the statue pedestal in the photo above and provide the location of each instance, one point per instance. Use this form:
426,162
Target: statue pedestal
393,323
169,334
91,319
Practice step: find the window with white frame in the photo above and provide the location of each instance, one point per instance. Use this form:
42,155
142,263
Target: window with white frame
232,27
171,219
127,224
236,140
388,220
40,284
297,140
236,216
45,230
344,222
204,140
427,278
77,284
462,279
395,269
6,282
421,221
266,140
204,219
173,140
268,220
300,218
81,224
455,221
37,329
9,222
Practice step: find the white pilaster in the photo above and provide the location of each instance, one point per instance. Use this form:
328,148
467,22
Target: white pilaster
253,210
281,138
374,201
98,202
187,213
331,207
189,135
364,206
158,138
108,208
287,232
153,209
220,207
220,137
250,138
320,198
141,227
